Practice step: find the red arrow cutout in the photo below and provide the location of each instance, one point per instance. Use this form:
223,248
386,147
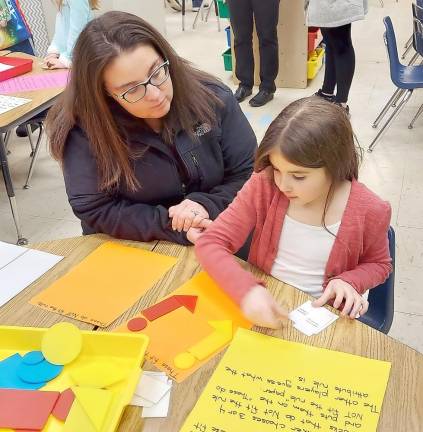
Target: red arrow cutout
169,305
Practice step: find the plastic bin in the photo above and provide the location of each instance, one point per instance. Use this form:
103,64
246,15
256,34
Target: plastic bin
227,59
123,349
18,66
313,33
223,9
315,62
228,35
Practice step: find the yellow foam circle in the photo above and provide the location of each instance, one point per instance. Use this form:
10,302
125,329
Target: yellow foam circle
184,360
61,343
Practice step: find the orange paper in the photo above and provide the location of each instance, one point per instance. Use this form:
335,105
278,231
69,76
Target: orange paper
105,284
181,331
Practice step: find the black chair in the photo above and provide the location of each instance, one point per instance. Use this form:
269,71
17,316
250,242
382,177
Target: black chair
381,299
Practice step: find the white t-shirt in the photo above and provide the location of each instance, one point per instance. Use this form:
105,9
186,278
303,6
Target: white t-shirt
302,255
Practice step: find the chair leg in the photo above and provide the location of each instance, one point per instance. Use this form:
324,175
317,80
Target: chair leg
194,24
404,55
409,42
388,105
418,113
34,157
183,15
31,142
397,110
397,98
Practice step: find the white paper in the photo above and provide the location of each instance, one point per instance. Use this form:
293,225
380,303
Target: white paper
7,103
9,252
21,270
310,320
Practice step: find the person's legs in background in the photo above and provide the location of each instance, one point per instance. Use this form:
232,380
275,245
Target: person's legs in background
241,13
329,81
340,43
196,4
266,16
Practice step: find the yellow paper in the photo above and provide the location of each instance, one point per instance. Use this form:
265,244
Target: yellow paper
206,332
105,284
269,384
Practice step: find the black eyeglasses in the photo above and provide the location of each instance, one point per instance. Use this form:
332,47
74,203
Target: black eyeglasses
138,91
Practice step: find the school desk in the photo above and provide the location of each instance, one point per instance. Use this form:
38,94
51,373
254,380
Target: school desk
40,100
403,404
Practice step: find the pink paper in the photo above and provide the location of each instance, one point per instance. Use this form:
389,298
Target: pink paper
26,83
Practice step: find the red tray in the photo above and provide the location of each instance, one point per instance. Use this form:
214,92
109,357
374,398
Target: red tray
20,66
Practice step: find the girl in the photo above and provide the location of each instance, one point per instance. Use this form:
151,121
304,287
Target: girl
314,225
334,19
150,146
72,17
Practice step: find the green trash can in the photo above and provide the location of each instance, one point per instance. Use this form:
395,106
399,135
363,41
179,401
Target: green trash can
223,9
227,59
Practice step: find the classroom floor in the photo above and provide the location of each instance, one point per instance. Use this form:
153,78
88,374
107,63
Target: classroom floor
393,170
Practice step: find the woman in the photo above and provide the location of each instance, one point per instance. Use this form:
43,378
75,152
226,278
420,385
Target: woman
335,18
149,145
71,18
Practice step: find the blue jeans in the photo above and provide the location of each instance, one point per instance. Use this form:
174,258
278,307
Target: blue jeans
196,3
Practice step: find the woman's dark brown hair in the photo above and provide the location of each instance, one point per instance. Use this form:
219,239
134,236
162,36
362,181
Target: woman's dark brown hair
86,103
313,133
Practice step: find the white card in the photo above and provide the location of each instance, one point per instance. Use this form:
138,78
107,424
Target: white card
310,320
151,388
161,408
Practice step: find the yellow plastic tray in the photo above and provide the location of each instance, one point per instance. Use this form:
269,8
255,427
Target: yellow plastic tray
123,349
315,62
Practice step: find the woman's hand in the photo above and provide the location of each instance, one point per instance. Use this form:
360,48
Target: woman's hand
188,214
354,303
261,308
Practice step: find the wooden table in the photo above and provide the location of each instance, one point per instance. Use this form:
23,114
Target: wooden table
403,404
40,100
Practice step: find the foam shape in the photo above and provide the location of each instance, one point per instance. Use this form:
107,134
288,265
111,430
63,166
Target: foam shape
9,377
77,420
61,343
33,357
170,304
98,374
63,405
37,406
39,373
94,402
137,324
209,345
184,360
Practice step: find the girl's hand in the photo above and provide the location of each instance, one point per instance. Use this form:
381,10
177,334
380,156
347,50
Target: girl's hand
194,233
261,308
354,303
50,56
55,63
188,214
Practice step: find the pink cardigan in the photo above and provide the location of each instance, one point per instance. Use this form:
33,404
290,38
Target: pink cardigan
359,256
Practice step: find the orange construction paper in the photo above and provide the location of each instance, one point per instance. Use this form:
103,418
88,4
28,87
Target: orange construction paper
178,331
105,284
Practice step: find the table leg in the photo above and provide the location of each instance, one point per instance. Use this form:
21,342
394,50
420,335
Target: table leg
10,192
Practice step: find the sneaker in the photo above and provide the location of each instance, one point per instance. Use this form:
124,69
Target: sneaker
346,108
329,98
174,4
261,98
241,93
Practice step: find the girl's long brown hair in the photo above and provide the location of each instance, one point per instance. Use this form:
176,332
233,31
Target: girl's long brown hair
94,4
313,133
86,103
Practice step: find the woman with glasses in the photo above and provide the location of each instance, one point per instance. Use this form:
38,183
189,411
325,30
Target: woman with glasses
150,146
